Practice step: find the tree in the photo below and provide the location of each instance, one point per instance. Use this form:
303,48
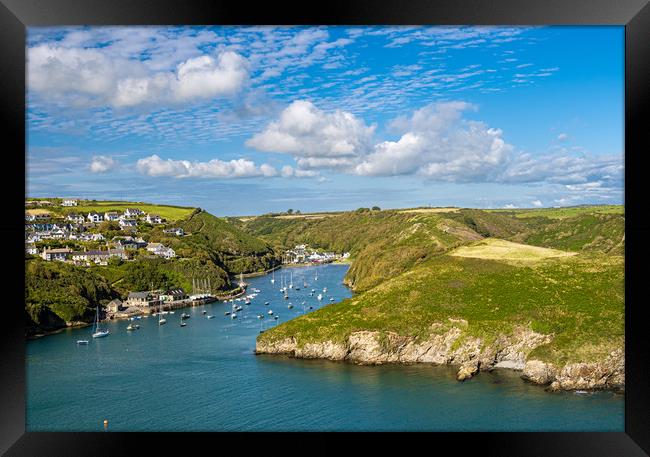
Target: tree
376,208
289,211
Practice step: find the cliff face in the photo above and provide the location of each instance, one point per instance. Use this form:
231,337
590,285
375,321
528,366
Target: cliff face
470,354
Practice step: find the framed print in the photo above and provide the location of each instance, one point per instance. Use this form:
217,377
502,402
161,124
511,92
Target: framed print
390,218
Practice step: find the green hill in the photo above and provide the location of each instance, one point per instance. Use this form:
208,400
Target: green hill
480,279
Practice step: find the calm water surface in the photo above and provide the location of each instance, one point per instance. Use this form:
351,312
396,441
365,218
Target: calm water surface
206,377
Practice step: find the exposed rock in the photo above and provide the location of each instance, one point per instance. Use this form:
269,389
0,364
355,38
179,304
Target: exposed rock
539,372
467,371
607,374
471,354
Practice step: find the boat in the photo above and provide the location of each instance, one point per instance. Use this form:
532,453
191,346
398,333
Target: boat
97,331
183,323
132,327
291,281
286,297
316,277
320,296
273,278
185,316
227,313
304,284
161,320
266,303
204,312
290,306
324,289
233,316
331,298
270,312
82,342
210,316
248,301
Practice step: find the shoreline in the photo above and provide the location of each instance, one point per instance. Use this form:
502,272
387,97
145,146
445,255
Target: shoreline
470,358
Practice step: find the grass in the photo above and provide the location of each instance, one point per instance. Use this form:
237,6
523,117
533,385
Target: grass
495,249
563,213
578,299
559,272
169,212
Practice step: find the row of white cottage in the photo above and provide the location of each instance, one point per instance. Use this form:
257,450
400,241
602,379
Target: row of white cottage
100,256
127,219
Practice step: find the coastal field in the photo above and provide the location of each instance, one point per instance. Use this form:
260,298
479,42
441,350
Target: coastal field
169,212
492,286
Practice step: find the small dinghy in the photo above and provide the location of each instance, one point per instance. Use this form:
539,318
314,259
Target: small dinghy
82,342
210,316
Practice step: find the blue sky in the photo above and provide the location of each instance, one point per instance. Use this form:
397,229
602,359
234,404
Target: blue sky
248,120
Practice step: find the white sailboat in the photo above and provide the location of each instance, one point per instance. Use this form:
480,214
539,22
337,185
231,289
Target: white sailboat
97,331
291,281
161,320
273,278
320,296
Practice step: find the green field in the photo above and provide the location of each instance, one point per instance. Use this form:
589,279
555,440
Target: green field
559,273
171,213
564,212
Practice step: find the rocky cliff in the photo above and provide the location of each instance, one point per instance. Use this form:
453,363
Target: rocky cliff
447,344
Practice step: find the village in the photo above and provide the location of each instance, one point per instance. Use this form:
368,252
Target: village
302,254
85,229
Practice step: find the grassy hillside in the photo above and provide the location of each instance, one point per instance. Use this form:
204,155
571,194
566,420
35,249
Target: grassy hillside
384,244
56,293
578,299
213,239
559,274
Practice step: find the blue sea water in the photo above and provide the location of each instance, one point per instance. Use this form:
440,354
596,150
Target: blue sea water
205,377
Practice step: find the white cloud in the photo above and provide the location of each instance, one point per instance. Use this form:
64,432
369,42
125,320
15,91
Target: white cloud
102,164
509,206
239,168
562,137
88,77
537,203
436,142
440,144
306,132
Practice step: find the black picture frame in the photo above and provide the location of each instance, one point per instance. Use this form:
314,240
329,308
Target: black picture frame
16,15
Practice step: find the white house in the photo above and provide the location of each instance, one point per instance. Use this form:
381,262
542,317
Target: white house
76,218
175,231
160,250
94,217
132,212
112,216
153,219
60,254
30,248
128,223
69,202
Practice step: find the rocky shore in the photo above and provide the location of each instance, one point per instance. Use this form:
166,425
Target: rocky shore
470,355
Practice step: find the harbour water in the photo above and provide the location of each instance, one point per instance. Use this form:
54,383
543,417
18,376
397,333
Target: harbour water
205,377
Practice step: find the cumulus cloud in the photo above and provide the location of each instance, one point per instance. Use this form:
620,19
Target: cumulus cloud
437,142
440,144
102,164
239,168
537,203
562,137
307,132
88,77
